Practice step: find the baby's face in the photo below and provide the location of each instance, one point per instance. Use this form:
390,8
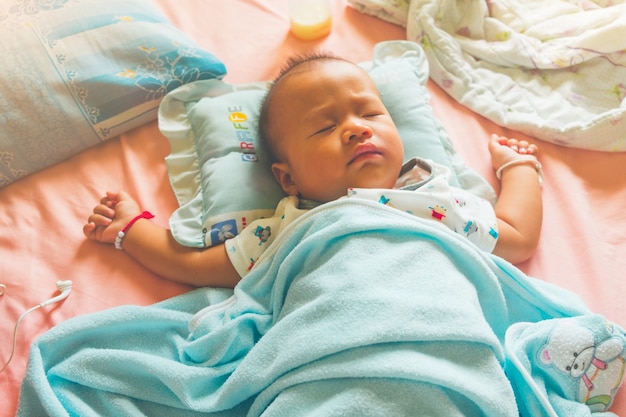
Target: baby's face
333,132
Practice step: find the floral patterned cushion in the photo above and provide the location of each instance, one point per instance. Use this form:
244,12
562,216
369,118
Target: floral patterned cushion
77,72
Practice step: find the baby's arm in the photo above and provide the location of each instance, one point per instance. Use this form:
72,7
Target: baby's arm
155,248
519,208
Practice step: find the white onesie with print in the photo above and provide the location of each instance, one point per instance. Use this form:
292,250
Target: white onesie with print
422,190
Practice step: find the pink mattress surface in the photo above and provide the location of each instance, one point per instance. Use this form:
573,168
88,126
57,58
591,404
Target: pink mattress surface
582,248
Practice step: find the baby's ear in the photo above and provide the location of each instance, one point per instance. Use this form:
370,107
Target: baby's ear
282,173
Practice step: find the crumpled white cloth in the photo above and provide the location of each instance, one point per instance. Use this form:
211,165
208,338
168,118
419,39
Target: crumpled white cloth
552,69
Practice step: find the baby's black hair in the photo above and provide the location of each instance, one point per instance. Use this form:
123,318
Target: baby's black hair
291,64
297,60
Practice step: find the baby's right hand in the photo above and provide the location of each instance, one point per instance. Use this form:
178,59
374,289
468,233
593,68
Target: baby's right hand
110,216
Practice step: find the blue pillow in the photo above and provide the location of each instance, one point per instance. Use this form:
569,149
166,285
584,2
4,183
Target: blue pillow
75,73
220,173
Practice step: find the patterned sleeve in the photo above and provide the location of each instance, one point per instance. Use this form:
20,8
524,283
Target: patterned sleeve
247,247
475,219
471,216
458,209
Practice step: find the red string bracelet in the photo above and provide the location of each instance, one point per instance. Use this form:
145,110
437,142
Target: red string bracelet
122,233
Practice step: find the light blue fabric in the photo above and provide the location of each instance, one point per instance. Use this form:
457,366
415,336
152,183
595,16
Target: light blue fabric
75,73
356,309
566,367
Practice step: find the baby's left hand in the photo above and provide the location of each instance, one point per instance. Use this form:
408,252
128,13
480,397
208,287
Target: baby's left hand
503,150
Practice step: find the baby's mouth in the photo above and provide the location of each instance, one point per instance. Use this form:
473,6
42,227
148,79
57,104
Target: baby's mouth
364,150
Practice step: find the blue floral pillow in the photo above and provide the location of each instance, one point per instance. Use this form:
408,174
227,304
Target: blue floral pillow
77,72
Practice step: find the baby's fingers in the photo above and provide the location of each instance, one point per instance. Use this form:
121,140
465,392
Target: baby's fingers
527,148
522,147
99,220
95,227
109,200
89,230
104,210
511,143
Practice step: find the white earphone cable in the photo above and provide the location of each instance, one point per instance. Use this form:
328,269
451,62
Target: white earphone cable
64,286
17,325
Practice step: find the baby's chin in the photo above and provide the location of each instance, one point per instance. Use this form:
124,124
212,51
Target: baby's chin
376,183
331,195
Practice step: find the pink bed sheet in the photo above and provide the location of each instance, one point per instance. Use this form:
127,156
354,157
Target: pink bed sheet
583,244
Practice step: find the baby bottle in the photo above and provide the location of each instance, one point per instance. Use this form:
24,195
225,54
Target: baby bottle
310,19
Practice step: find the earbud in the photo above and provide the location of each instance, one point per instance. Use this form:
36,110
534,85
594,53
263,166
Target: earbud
65,287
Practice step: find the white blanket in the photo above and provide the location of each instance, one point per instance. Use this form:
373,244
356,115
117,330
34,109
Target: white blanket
552,69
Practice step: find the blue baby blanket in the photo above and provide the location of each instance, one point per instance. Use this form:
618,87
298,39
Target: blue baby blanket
356,309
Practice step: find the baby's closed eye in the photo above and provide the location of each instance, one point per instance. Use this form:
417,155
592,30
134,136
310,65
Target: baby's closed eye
323,130
372,115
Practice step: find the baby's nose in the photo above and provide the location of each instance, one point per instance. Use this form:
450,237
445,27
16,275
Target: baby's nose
367,132
362,132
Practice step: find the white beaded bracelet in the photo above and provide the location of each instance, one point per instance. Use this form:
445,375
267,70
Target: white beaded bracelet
118,240
518,162
122,233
